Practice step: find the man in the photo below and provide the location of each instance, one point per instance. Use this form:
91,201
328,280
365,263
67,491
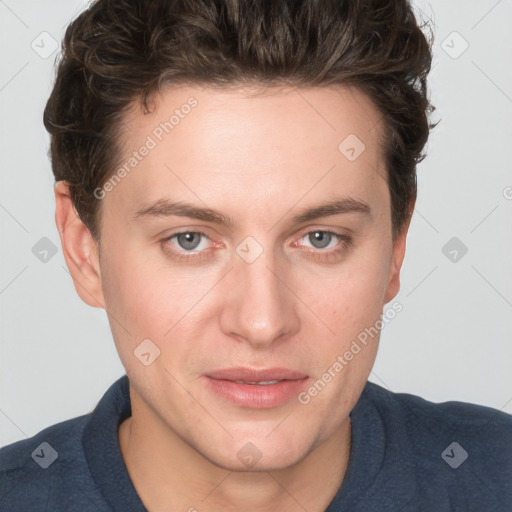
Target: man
234,185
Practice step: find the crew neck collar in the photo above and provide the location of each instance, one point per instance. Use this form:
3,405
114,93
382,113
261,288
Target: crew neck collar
374,464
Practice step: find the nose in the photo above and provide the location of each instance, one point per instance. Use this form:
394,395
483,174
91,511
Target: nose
259,303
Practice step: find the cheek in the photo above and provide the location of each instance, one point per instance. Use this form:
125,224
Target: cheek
349,302
134,292
150,296
352,297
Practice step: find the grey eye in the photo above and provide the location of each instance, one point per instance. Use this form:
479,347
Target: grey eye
320,239
188,241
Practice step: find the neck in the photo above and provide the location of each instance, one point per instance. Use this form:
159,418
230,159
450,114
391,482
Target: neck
167,470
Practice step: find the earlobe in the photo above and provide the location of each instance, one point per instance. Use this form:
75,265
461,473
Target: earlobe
79,248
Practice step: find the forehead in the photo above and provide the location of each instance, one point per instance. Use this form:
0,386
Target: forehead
319,116
209,143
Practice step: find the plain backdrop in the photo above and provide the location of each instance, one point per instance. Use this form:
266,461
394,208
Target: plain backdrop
452,341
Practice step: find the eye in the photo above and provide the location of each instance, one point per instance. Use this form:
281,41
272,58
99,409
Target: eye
193,245
188,240
181,245
321,240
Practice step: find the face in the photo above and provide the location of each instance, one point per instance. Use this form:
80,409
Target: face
249,284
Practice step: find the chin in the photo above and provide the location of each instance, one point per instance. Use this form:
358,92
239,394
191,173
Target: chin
253,455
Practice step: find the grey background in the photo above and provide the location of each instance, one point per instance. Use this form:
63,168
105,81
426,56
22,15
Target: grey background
452,341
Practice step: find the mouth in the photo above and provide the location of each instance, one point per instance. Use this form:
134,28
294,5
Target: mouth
257,389
250,375
262,383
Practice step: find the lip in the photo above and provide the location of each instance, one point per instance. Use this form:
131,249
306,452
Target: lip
255,375
223,383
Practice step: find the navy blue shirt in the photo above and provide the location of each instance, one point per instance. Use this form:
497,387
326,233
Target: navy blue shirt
407,454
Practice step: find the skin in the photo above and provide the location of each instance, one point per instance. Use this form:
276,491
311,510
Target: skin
259,159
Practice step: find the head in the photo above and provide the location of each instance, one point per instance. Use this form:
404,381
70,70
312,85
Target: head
199,148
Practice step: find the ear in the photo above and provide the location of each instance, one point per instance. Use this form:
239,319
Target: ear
79,248
398,257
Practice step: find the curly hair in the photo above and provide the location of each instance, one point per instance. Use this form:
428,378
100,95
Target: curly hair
118,52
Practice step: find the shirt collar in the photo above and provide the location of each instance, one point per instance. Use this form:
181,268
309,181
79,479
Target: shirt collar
375,465
102,450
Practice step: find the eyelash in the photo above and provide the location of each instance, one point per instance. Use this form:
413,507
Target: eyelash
345,243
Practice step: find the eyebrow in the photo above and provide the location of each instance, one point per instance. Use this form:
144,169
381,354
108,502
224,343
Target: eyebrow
167,208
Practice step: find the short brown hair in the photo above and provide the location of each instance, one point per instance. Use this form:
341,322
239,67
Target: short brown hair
119,51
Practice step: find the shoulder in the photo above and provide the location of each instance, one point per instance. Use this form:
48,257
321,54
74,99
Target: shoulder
32,468
450,413
62,435
453,416
461,449
483,426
